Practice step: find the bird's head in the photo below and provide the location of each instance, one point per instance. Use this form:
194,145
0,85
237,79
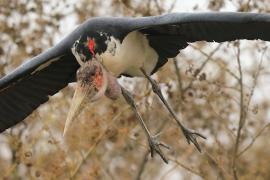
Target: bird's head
92,83
93,80
87,46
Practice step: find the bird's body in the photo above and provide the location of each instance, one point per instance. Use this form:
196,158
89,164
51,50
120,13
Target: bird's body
128,56
122,46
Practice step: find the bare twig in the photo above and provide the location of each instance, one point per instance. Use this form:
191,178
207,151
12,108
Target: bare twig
128,6
168,172
241,115
160,10
217,62
208,57
179,79
253,139
142,165
191,170
218,167
172,6
255,79
230,132
248,103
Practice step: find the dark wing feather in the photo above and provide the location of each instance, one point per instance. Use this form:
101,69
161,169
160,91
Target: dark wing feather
170,33
24,90
31,84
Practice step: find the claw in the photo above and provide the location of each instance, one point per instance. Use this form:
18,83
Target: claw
154,145
191,137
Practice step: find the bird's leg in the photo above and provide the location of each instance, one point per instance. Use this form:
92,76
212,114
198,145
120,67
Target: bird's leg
154,144
190,135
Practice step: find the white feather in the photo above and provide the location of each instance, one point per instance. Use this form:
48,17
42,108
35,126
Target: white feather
129,56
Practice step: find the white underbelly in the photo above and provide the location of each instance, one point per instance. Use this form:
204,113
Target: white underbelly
134,53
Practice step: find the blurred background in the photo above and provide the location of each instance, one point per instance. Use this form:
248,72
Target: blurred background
221,90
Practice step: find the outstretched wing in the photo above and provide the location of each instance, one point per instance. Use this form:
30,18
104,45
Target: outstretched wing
170,33
31,84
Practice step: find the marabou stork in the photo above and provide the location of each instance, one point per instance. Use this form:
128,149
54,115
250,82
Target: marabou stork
102,49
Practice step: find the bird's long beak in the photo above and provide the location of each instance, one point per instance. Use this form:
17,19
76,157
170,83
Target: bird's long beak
78,100
84,93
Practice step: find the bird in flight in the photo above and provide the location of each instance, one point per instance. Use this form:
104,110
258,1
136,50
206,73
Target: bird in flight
102,49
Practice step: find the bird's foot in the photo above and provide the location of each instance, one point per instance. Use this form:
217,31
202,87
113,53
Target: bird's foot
154,144
155,147
191,137
189,134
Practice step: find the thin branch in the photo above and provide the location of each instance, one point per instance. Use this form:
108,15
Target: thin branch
217,167
248,103
179,78
217,62
172,6
191,170
208,57
159,8
230,132
168,172
142,166
255,79
128,6
241,116
253,140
